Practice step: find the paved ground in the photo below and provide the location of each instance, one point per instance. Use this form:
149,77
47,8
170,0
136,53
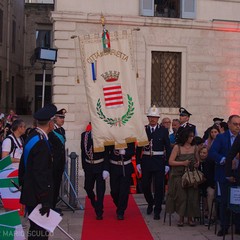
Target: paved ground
72,223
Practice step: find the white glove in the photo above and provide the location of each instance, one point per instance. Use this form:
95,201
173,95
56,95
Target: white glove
122,151
105,174
167,168
139,168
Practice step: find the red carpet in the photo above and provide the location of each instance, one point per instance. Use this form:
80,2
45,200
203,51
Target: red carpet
132,227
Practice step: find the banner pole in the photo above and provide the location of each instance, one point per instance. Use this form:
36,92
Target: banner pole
65,232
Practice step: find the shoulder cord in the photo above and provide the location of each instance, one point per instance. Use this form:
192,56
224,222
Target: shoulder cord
90,152
149,146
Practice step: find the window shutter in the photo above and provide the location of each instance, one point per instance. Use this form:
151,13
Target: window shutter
188,9
147,8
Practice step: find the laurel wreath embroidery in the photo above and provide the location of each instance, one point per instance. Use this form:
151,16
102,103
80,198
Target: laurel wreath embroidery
117,121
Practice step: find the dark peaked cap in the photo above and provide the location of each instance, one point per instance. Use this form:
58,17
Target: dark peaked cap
216,119
184,112
45,113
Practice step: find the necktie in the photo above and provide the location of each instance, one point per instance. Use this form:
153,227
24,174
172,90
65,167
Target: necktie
152,130
232,139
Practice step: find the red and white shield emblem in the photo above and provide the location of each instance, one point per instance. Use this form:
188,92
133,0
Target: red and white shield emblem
113,96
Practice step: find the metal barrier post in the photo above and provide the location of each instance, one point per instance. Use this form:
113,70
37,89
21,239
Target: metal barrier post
72,198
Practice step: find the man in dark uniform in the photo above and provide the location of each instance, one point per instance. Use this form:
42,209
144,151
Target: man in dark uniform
152,161
184,117
121,170
93,166
57,139
35,170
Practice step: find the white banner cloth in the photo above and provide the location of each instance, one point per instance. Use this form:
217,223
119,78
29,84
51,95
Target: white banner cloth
110,80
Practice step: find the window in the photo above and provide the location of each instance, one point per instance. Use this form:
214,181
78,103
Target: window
166,79
43,38
13,36
39,78
1,26
168,8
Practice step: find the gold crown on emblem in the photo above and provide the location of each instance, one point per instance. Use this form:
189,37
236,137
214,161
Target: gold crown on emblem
111,76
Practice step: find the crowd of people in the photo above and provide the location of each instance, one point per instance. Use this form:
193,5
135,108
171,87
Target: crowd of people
38,153
174,146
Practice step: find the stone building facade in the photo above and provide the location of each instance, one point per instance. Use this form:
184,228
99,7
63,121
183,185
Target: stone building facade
11,54
209,46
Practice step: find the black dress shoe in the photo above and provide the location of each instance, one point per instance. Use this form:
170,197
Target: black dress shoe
120,217
99,217
149,209
221,233
156,216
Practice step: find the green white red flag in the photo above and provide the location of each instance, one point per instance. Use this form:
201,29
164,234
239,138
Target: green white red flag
10,226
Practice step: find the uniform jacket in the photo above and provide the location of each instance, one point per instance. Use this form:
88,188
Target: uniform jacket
58,148
36,178
160,142
87,153
219,149
113,154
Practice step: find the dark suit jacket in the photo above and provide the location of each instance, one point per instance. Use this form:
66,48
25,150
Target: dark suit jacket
219,149
36,178
58,149
235,149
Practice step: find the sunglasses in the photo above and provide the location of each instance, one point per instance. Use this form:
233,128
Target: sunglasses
62,117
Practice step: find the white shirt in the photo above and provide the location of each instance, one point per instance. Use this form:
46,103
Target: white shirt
6,147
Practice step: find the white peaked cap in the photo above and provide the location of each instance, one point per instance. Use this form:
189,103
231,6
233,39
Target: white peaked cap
153,112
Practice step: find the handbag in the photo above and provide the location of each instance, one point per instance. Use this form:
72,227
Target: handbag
192,178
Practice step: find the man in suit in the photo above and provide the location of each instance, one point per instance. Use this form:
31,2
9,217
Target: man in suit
218,153
35,170
93,166
151,162
233,173
57,139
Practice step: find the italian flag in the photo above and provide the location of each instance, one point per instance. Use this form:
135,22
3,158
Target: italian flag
5,162
10,226
10,197
8,172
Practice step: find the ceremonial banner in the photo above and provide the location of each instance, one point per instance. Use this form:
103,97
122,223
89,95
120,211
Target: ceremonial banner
110,80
